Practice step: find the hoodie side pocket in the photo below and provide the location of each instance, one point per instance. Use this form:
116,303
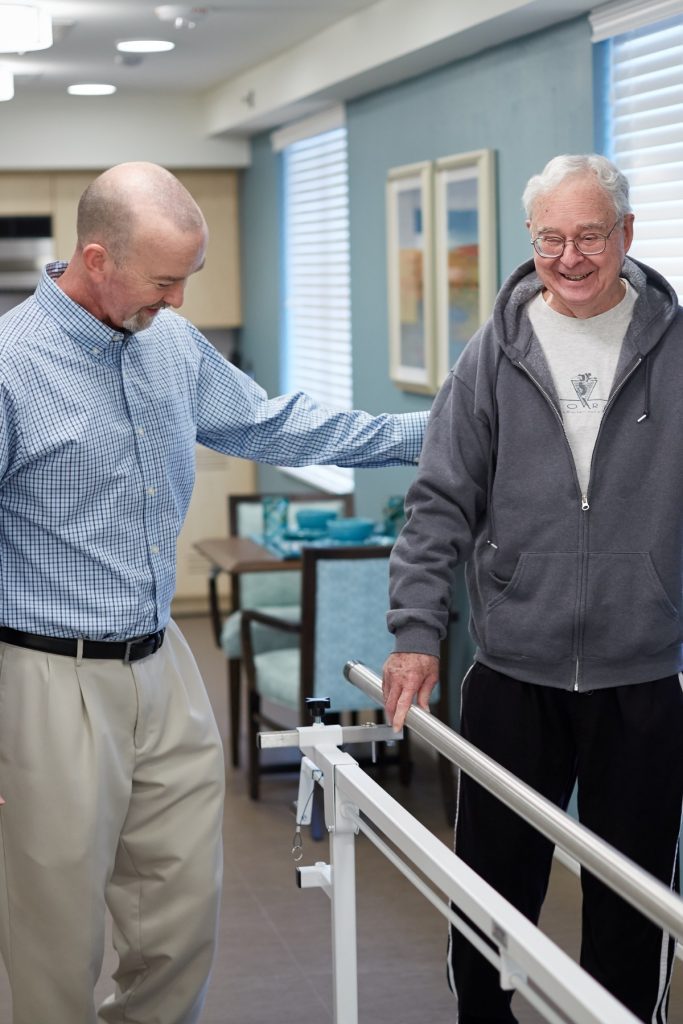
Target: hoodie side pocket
533,617
628,612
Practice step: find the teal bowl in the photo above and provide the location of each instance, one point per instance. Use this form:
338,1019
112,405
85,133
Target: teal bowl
353,528
314,518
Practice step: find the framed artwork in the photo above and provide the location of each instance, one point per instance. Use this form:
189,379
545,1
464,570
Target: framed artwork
465,260
410,277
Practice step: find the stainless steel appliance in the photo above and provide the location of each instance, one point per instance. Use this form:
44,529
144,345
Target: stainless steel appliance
26,245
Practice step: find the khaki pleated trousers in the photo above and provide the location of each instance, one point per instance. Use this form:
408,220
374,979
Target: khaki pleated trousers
113,782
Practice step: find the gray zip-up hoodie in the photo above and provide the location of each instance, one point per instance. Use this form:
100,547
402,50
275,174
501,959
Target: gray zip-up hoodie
567,590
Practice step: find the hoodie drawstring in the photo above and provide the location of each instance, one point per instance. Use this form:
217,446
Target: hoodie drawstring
492,455
646,397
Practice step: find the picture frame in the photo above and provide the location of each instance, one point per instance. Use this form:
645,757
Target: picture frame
410,256
465,258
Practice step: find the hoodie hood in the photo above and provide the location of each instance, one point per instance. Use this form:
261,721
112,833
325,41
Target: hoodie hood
654,311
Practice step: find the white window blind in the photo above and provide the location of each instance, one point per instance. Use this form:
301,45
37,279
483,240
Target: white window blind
317,312
645,138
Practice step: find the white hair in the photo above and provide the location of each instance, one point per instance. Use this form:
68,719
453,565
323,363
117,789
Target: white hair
609,177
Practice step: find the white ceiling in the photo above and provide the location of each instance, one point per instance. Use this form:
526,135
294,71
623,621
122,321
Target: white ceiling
249,65
231,37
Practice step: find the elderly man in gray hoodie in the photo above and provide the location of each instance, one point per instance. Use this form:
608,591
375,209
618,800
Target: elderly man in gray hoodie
553,467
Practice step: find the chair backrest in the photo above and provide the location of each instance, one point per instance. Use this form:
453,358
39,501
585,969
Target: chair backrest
245,517
345,597
245,511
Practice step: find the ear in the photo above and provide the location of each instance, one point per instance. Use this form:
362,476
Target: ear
628,231
95,259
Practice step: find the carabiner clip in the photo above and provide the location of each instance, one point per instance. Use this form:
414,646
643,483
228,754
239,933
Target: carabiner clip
297,845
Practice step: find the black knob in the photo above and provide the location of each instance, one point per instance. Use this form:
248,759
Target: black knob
317,707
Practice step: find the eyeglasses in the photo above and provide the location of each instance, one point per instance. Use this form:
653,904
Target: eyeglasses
590,243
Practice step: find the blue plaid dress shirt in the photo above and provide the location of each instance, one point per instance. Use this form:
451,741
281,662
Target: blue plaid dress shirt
97,458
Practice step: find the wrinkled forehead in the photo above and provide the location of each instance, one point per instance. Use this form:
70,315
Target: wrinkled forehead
578,203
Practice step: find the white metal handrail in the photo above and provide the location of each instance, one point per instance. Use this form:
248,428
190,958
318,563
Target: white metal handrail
525,958
621,874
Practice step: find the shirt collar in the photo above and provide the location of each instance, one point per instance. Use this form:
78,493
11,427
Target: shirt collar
74,320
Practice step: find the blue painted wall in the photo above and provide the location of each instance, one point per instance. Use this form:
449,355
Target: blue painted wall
528,100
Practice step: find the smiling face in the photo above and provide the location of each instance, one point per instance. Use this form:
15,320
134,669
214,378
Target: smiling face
152,276
577,285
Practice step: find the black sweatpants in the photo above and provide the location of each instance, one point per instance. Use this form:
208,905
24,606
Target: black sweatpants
624,746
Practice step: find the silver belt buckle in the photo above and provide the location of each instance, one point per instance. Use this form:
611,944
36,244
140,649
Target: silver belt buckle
126,656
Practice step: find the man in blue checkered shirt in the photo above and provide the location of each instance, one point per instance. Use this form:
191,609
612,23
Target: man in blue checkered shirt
111,765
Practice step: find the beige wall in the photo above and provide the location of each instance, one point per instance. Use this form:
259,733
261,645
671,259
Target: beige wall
82,132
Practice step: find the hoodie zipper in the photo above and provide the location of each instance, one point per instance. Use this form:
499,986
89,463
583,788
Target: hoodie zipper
585,504
558,417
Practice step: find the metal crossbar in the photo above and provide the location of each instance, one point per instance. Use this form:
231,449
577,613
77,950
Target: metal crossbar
621,874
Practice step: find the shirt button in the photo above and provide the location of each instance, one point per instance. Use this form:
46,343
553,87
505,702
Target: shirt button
154,549
94,351
140,431
151,491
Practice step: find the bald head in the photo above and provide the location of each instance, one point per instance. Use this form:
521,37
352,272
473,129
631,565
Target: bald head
129,200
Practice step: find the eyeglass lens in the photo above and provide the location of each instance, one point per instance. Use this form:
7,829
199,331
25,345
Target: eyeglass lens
588,244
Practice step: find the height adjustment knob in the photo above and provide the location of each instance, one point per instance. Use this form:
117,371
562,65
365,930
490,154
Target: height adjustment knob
317,707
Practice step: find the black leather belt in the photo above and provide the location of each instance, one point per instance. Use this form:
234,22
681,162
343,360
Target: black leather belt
116,650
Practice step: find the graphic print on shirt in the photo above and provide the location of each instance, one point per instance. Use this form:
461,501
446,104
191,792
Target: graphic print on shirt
584,398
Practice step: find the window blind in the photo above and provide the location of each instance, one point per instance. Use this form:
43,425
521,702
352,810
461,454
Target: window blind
317,311
645,140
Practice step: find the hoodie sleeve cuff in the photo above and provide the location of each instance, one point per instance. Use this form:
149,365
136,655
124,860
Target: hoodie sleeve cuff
417,640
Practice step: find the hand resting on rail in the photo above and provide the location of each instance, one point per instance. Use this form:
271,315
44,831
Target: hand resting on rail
406,677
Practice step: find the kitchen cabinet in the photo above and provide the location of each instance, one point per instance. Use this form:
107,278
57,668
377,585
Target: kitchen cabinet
28,195
212,297
67,189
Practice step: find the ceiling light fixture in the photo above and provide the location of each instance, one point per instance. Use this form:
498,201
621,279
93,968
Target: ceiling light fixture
91,89
181,15
6,84
23,28
145,46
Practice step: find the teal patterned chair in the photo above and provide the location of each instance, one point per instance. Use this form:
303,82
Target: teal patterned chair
270,592
343,616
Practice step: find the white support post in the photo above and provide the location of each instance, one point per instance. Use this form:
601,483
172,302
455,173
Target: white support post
344,940
342,889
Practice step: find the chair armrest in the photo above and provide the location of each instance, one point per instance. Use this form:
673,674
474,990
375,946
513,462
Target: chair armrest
252,615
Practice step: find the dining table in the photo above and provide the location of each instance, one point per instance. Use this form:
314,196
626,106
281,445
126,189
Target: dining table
256,553
243,554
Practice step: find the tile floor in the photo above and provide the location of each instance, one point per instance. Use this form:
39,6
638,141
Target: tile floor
274,959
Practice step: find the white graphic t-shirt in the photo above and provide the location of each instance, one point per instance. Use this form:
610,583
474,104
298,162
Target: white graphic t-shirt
582,356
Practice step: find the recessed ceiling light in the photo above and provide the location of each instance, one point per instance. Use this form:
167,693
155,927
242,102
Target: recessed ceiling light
23,28
91,89
145,46
6,84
